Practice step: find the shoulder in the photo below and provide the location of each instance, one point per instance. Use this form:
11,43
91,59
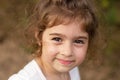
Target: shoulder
74,74
30,72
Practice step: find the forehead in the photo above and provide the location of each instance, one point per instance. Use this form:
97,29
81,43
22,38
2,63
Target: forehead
67,21
57,19
70,29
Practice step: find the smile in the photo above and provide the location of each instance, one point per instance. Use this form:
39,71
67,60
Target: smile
65,62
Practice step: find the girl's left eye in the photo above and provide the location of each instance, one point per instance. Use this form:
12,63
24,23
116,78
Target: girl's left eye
79,41
57,39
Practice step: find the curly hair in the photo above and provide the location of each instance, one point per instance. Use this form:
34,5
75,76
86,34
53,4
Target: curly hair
48,13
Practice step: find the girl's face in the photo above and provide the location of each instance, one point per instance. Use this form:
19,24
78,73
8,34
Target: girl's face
63,47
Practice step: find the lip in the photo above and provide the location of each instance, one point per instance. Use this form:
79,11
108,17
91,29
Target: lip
65,62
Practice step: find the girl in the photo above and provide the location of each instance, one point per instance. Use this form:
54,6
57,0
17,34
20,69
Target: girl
64,31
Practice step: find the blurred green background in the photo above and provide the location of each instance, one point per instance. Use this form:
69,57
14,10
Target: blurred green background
13,19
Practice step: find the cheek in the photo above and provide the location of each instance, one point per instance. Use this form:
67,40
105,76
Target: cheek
80,55
49,49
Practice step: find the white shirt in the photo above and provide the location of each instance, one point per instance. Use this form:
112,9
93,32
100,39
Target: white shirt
33,72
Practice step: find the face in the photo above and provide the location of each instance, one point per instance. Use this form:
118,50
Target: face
64,47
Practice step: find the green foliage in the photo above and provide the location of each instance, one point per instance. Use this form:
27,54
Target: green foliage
112,21
110,10
105,3
111,16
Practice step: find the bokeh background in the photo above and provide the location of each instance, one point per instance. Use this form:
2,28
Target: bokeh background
14,55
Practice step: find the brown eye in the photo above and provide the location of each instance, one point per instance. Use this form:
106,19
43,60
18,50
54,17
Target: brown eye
79,42
57,39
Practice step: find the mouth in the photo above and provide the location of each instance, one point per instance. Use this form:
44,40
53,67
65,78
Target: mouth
65,62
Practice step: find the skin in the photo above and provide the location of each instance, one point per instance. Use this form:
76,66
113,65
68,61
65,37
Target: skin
63,47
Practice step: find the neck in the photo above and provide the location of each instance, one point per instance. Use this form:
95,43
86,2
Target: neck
62,76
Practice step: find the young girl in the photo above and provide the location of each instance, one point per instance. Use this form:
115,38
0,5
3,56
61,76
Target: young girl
64,31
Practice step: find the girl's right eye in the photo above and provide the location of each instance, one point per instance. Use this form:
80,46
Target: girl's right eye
57,39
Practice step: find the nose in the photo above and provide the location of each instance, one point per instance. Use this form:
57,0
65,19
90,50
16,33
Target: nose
67,49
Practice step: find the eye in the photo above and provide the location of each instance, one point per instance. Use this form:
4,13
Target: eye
58,39
79,41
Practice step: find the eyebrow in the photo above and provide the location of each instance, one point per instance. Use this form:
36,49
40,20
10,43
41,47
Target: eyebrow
58,34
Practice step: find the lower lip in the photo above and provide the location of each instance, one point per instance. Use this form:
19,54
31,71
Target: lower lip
65,62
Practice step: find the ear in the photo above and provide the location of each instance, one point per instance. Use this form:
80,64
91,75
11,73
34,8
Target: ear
37,38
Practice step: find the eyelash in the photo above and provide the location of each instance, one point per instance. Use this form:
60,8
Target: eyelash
57,39
79,42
